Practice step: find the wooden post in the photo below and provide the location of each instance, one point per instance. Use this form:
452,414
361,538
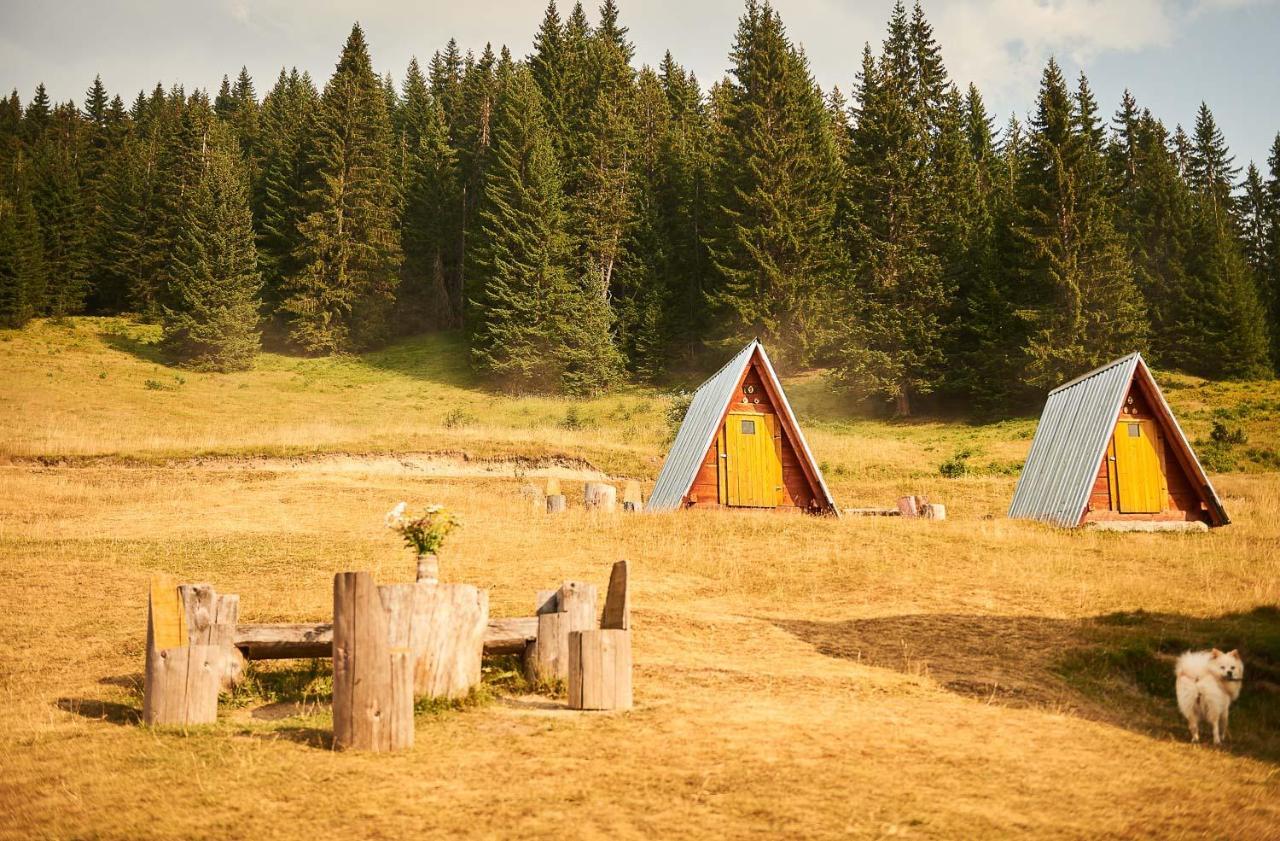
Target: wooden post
555,503
600,670
211,620
631,497
182,680
361,665
573,608
398,602
617,600
450,622
600,496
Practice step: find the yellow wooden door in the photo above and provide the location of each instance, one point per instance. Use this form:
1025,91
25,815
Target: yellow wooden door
1139,475
753,460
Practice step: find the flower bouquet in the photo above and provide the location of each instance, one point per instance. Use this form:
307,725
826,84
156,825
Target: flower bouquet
423,532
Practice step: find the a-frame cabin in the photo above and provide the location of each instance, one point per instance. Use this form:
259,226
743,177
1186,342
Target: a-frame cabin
1108,448
740,446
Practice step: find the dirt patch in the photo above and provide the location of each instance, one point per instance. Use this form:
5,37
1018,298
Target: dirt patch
447,465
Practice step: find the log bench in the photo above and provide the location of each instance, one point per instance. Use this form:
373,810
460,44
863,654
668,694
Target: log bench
310,640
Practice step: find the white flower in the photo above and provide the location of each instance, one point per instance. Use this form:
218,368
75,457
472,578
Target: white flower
395,517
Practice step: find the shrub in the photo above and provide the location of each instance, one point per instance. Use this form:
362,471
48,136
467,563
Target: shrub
1223,436
458,418
957,465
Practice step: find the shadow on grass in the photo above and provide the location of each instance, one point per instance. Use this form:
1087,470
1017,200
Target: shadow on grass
431,357
134,346
97,710
1116,668
312,737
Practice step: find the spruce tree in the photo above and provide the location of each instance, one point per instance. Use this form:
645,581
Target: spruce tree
473,146
532,326
210,309
776,174
684,195
59,201
1253,221
891,335
430,214
22,273
1154,212
286,115
1270,280
1228,329
1079,299
348,253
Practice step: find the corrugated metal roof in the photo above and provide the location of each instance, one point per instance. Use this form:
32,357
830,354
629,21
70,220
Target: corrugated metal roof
1067,449
701,422
697,431
1078,421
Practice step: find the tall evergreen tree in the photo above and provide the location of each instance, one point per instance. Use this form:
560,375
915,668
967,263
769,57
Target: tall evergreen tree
279,208
59,201
1080,303
210,309
776,173
348,253
1227,323
532,325
22,273
430,211
1270,280
891,343
685,196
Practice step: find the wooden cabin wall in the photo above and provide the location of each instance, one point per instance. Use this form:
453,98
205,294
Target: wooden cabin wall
797,492
1183,501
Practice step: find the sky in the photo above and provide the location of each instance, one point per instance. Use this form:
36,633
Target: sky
1172,54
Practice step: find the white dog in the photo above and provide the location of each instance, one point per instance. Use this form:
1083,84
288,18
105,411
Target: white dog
1207,683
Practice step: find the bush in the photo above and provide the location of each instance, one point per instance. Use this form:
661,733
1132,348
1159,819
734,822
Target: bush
573,420
957,465
458,418
1223,436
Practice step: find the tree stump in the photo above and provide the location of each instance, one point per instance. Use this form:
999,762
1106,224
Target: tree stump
449,626
571,608
211,620
398,602
555,503
362,679
600,670
182,680
600,496
935,511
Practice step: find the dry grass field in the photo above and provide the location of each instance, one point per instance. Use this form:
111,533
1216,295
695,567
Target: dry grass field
796,677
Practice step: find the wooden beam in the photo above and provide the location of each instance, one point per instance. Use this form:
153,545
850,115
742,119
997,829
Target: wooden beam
315,639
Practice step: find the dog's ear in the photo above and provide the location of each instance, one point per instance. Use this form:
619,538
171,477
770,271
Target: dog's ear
1216,653
1234,653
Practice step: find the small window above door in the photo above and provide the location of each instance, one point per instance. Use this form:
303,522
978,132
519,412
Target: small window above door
1135,430
748,427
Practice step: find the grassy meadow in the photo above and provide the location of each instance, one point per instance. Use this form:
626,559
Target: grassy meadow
795,676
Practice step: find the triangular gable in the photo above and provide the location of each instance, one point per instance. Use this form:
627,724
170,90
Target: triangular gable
704,418
1071,440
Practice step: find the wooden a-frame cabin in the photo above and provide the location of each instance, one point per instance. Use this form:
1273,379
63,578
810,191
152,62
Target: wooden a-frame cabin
740,446
1108,449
